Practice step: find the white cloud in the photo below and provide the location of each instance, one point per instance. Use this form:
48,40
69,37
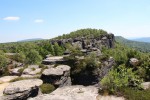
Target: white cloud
39,21
11,18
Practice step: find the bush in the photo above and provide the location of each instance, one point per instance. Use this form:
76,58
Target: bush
120,78
132,94
47,88
33,57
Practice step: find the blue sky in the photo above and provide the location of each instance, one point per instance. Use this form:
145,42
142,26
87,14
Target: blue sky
25,19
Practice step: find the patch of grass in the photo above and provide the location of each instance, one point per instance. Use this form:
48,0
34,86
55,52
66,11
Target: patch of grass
23,78
41,66
132,94
21,70
47,88
33,69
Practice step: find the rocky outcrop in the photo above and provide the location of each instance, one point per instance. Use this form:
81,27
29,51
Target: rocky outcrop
93,77
58,76
75,93
106,40
21,90
54,60
32,70
15,71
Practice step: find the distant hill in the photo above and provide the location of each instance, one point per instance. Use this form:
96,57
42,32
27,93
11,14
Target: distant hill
144,39
141,46
27,40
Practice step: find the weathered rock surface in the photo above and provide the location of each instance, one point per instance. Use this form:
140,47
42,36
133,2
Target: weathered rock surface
134,61
54,60
21,90
7,79
15,71
58,76
146,85
107,40
32,70
75,93
71,93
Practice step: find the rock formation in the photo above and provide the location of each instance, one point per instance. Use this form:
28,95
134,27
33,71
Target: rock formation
75,93
21,90
58,76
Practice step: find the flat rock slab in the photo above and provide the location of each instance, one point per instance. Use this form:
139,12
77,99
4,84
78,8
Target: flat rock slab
7,79
33,66
30,76
77,92
21,86
71,93
59,70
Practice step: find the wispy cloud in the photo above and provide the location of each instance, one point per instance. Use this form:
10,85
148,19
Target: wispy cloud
39,21
13,18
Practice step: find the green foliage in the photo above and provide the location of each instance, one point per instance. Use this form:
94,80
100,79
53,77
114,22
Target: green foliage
33,57
58,50
134,94
120,78
19,57
87,33
3,60
47,88
46,49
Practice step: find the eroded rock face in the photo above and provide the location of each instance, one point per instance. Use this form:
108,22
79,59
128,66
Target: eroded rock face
93,77
15,71
58,76
71,93
21,90
107,40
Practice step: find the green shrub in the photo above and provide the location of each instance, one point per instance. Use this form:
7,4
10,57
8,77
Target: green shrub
120,78
47,88
21,70
134,94
33,69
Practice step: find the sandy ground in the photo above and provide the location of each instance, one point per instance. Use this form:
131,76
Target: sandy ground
2,87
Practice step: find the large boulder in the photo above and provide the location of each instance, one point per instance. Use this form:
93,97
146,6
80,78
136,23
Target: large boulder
58,76
21,90
134,61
